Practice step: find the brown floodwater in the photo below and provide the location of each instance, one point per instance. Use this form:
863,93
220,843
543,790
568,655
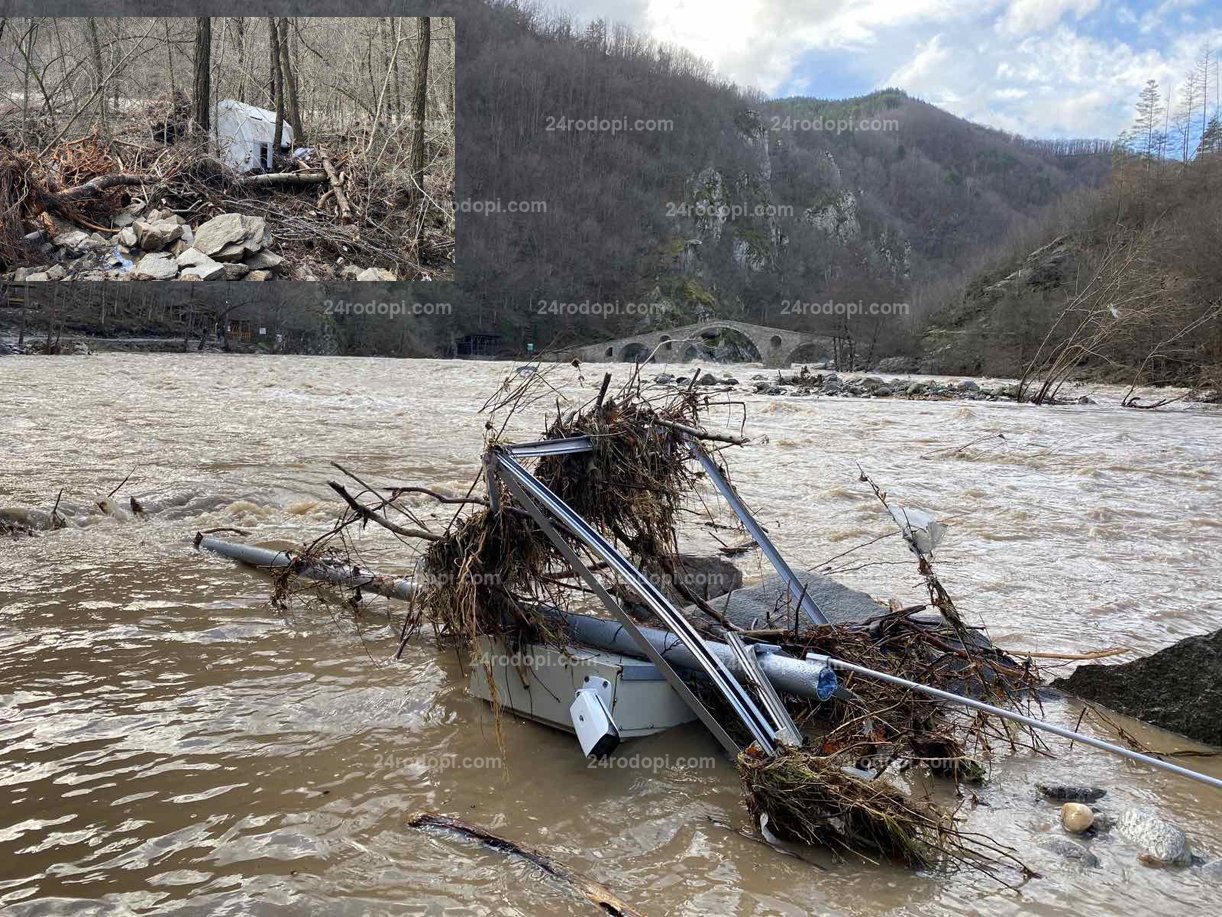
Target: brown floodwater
171,743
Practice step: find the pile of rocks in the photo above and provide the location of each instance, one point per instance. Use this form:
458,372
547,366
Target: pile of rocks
1154,840
161,245
833,385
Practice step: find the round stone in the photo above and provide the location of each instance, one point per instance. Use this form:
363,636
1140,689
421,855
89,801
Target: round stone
1076,817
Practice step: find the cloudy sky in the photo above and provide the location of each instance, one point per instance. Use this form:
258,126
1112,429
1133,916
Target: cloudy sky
1045,68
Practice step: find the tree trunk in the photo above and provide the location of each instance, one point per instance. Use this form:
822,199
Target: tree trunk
419,109
273,33
203,72
289,81
396,27
239,39
100,75
169,53
25,302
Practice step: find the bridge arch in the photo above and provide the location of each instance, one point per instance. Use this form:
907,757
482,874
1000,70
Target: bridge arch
636,352
817,351
741,336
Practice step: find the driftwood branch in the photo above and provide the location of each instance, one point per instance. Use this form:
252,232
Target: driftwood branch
283,178
598,894
397,492
366,513
704,434
341,199
97,186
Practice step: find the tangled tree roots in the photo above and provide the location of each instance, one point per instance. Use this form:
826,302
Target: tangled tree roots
636,478
486,577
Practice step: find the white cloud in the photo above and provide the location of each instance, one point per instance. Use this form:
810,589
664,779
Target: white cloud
1062,83
1040,67
1025,16
761,42
926,66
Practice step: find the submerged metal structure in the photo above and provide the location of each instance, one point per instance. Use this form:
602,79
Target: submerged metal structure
730,668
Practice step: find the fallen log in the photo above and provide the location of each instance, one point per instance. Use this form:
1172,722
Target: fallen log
341,199
96,186
283,178
596,893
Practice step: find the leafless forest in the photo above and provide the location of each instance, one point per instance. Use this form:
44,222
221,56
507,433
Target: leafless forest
226,148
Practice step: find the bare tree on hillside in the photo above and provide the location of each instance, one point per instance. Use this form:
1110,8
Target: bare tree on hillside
201,93
419,109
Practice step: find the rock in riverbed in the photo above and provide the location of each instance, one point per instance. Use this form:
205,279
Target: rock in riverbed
1178,688
1072,850
1059,792
1160,842
1076,817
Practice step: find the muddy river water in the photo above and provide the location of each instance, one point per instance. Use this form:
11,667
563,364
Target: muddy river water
171,743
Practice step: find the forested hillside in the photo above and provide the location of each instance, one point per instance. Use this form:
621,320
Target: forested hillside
692,196
733,203
1128,289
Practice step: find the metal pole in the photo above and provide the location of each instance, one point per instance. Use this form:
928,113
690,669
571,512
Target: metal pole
337,573
626,623
1019,718
796,589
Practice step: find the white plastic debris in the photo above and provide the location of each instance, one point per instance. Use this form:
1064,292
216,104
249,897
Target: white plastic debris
921,530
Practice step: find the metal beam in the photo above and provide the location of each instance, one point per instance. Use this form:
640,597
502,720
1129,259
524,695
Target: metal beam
626,623
737,696
549,447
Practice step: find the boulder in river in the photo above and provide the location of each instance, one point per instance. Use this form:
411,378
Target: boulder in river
1160,842
1058,792
1178,688
1072,850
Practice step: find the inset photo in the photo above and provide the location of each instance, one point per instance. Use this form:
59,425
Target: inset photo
252,149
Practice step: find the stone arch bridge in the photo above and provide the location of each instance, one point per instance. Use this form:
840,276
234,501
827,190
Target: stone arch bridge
776,347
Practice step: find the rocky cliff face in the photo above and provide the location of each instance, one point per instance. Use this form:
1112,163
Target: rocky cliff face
801,204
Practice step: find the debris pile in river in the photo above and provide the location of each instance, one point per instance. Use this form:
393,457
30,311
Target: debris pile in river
494,573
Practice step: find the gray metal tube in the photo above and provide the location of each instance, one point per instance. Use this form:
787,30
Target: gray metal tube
792,676
337,573
758,535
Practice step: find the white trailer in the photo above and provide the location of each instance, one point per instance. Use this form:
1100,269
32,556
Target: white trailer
245,135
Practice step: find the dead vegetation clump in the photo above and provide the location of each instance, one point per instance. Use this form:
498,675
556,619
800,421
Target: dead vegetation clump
638,475
823,800
485,577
